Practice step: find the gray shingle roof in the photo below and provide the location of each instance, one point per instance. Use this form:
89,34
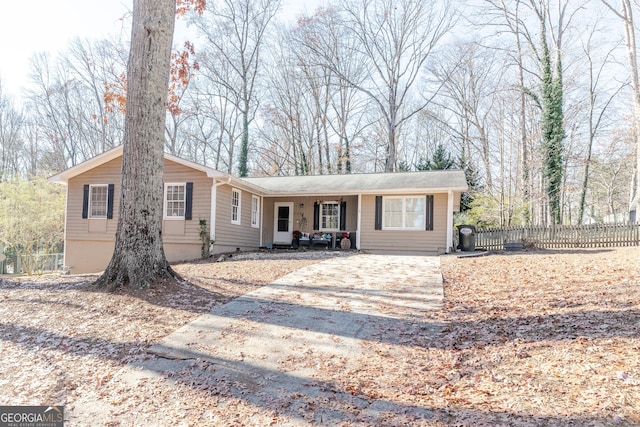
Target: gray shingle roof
398,182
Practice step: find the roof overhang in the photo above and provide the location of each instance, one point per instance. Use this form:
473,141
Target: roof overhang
429,182
64,177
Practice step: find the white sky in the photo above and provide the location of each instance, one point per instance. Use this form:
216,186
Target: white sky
29,27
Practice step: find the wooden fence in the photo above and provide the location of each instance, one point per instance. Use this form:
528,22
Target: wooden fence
560,236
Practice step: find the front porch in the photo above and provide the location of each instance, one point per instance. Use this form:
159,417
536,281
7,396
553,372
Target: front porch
318,222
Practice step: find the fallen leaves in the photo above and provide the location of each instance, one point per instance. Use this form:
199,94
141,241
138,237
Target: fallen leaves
531,338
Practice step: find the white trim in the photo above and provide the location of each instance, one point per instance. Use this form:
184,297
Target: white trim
164,201
329,202
114,153
255,224
238,219
449,222
277,235
359,222
261,221
89,202
212,213
404,226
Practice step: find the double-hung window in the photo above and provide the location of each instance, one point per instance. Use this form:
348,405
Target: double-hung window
404,213
255,211
236,205
174,200
98,196
330,216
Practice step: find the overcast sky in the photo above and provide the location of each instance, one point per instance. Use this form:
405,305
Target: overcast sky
28,27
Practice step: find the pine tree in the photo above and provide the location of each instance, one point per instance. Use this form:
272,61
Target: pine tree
441,160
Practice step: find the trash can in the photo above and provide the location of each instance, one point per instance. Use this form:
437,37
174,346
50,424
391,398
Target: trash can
467,238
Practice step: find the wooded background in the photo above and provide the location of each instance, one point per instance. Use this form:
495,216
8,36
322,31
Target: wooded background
538,100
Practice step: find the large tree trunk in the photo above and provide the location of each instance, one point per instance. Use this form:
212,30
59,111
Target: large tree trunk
138,260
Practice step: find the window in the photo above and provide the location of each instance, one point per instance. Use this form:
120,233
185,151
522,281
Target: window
236,201
403,213
98,196
255,211
330,216
174,201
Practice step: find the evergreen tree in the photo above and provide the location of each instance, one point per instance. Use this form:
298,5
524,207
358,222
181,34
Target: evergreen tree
473,181
441,160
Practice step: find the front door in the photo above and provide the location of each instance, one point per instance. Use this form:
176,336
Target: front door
283,224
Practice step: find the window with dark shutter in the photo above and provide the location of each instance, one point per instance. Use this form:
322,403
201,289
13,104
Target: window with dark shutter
316,216
85,201
343,215
378,213
188,202
429,214
110,201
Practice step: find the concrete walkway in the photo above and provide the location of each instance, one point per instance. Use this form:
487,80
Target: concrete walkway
327,310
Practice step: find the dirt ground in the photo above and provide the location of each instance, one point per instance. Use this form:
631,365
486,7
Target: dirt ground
533,338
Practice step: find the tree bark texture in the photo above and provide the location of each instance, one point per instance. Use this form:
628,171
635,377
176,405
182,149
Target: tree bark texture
138,260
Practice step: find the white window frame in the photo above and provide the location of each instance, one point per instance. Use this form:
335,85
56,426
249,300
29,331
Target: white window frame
322,216
236,206
255,211
404,226
106,200
165,201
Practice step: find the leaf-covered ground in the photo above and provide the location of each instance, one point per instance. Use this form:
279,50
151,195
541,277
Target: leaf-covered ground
532,338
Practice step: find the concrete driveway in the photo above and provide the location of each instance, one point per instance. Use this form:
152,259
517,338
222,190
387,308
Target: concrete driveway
266,346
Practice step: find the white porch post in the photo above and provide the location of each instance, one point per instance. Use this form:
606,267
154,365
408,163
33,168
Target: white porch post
449,221
261,218
359,222
212,220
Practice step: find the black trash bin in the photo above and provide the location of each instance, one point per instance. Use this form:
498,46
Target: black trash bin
467,238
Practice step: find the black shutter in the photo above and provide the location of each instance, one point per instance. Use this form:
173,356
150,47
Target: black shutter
378,220
110,201
316,216
429,214
343,215
188,200
85,201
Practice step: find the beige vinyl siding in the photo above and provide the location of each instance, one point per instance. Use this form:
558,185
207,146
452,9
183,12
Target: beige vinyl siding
78,228
231,236
404,241
90,242
187,231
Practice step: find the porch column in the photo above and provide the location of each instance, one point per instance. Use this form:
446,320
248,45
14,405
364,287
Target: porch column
359,222
212,218
449,221
261,219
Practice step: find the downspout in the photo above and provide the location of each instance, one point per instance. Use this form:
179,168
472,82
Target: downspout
449,222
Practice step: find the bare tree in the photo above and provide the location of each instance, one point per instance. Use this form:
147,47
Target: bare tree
243,25
11,128
138,260
598,70
395,39
320,39
625,13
